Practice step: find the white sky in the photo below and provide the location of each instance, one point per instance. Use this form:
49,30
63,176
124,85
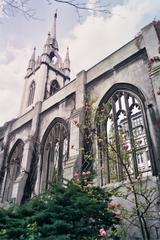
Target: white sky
89,42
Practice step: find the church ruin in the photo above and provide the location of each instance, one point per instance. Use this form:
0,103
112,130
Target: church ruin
42,144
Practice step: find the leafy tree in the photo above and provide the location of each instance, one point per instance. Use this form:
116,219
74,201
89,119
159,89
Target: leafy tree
140,194
75,211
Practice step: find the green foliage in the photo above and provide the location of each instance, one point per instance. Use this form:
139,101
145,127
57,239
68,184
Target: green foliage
76,211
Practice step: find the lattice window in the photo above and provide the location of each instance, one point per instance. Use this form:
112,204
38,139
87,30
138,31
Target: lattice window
122,129
31,93
55,154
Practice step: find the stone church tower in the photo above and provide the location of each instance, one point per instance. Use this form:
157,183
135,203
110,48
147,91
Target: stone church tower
43,144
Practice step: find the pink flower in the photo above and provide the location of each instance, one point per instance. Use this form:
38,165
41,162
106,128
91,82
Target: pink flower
113,204
125,147
88,173
83,173
76,175
117,212
102,232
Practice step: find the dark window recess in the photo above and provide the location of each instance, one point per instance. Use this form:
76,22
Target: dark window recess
54,87
31,93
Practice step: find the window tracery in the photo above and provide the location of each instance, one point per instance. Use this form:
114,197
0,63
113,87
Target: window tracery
55,154
14,167
123,129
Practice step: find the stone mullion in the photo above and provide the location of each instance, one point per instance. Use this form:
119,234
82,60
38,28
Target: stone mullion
119,101
51,165
47,171
30,96
15,165
101,157
44,168
10,181
106,157
117,141
60,159
132,142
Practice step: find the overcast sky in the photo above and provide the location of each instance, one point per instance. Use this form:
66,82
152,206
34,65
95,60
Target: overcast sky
89,41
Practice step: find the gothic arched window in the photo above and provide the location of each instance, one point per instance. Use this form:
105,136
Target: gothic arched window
123,136
31,93
13,168
54,87
54,153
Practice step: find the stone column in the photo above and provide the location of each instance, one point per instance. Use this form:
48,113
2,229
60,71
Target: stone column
151,43
3,158
76,137
37,185
153,113
19,184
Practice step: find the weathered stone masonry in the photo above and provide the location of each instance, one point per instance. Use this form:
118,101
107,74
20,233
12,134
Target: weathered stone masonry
46,125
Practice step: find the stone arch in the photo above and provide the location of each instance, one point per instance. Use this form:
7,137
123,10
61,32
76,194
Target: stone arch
120,108
13,168
54,152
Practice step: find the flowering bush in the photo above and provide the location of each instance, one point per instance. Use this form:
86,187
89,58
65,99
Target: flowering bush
102,232
77,211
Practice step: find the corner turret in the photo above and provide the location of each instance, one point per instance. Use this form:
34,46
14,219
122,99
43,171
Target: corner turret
31,64
66,64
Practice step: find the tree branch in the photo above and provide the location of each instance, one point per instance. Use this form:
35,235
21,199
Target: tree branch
10,7
97,7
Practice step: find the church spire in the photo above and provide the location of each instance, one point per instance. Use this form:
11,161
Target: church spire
54,29
54,42
32,61
66,64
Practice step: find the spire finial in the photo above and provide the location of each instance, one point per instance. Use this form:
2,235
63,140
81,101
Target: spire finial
33,54
54,25
66,65
48,38
31,64
67,60
53,41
